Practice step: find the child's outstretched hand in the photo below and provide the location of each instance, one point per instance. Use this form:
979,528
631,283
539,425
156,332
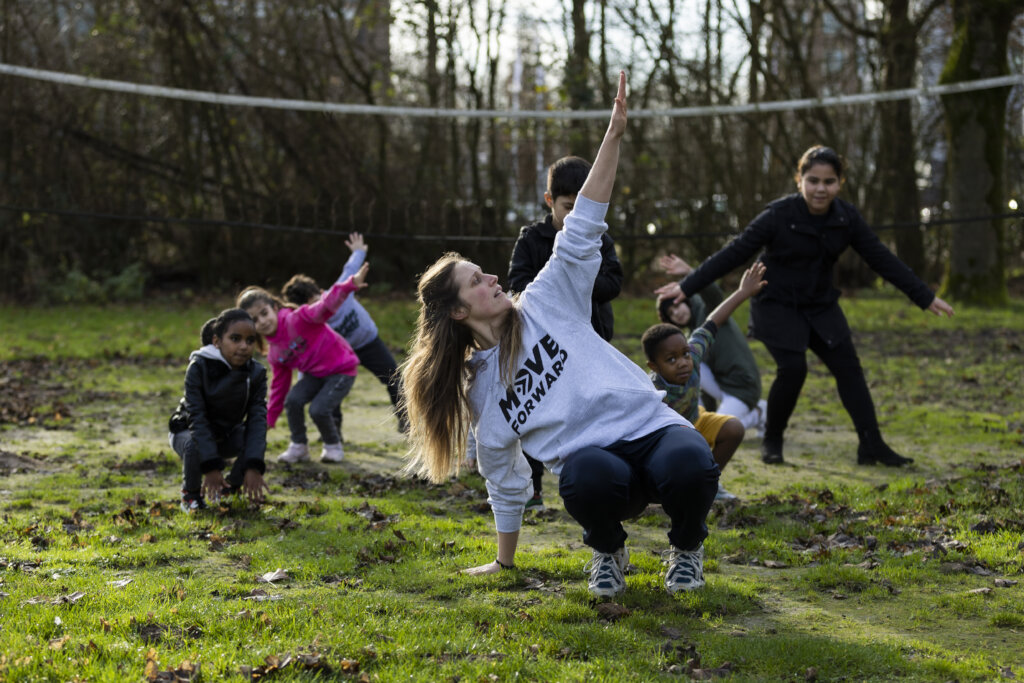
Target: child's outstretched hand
253,486
752,281
355,242
360,277
675,266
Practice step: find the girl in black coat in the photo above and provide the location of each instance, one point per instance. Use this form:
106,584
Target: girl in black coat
802,236
222,415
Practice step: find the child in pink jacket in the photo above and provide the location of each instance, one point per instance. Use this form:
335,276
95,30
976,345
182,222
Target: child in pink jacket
300,339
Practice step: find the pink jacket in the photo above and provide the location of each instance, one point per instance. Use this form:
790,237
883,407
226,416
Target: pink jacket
305,342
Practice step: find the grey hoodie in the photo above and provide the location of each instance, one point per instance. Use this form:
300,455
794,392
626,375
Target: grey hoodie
572,389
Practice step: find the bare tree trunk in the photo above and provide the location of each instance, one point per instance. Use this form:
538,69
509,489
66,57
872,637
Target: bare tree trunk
898,200
576,79
976,128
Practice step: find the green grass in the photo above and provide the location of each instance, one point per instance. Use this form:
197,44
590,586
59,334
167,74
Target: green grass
855,573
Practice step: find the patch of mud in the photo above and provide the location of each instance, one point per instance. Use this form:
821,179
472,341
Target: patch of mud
12,462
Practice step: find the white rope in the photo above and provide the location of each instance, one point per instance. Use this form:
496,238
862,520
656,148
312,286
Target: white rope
334,108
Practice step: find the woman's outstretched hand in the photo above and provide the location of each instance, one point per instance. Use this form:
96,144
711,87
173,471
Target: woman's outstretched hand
940,307
617,124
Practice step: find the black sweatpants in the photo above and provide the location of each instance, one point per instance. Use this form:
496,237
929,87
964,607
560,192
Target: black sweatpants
601,487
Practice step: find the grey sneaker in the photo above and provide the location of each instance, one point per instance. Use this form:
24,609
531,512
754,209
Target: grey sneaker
685,569
606,580
724,496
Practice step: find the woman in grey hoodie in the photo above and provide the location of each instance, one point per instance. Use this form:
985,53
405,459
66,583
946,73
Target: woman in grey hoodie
531,370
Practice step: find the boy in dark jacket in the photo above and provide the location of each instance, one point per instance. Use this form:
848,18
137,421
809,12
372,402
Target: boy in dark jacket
222,415
533,249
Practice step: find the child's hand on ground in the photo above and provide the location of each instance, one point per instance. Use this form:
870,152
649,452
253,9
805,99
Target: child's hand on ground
360,278
675,266
355,242
253,486
213,484
483,570
752,281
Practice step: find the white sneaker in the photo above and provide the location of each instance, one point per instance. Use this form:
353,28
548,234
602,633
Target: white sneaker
723,495
333,452
685,569
762,415
606,580
297,452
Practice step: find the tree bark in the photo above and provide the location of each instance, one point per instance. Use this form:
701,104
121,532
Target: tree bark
976,130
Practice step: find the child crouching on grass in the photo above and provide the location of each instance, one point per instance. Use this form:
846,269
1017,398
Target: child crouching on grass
222,415
300,339
675,362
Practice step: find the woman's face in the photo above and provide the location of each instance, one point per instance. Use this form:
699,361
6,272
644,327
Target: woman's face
481,296
819,185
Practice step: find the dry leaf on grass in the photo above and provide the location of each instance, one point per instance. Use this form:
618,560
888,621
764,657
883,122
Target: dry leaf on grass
612,611
261,596
271,577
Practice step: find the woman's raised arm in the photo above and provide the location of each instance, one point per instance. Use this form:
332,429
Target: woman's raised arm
601,179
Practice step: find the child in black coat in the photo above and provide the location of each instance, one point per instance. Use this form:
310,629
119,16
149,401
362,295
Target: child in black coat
222,415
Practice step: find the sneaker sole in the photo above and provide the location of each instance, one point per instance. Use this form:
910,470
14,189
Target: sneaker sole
685,589
606,592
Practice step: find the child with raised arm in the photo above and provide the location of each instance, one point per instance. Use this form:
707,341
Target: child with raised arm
531,369
223,414
728,371
353,322
300,339
675,369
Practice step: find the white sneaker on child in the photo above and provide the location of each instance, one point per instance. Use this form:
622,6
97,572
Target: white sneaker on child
333,452
297,452
762,415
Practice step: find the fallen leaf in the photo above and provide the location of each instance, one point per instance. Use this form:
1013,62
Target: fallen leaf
612,611
980,591
68,599
260,596
58,643
119,584
775,564
271,577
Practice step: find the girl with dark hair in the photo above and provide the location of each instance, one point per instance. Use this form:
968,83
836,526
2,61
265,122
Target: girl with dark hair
300,339
222,415
800,237
531,369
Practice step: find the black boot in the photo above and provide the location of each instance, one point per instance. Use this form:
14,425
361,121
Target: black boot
771,450
873,449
